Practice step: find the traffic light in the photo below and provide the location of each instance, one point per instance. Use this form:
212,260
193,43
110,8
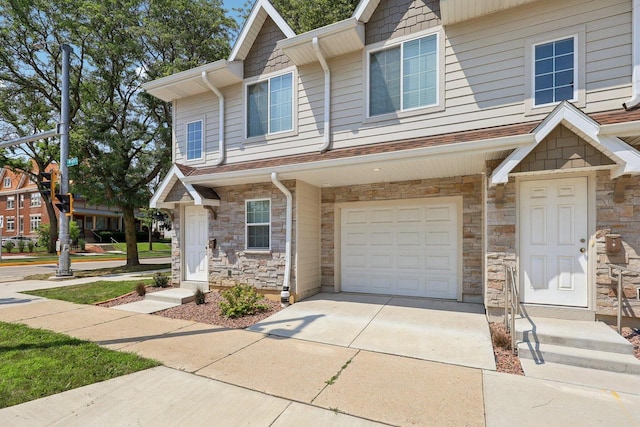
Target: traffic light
48,181
66,203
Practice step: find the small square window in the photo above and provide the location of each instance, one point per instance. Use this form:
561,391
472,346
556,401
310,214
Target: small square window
554,71
258,221
194,140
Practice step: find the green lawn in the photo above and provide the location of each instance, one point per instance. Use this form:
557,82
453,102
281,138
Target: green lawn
90,293
35,363
159,249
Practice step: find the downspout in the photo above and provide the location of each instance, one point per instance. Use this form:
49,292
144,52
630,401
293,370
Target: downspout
215,90
634,102
327,96
284,295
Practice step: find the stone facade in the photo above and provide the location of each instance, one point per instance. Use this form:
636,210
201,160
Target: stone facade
176,245
264,57
469,187
396,18
230,262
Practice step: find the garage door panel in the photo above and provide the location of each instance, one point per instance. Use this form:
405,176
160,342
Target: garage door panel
408,249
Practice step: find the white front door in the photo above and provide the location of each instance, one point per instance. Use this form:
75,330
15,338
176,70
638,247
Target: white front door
196,236
401,248
553,241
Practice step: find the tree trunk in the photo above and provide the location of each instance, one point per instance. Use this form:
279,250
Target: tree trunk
53,225
150,237
130,235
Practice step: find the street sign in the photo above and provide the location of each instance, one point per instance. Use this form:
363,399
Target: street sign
73,161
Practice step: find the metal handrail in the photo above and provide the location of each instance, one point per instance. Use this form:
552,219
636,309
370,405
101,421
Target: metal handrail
97,235
114,241
621,270
511,303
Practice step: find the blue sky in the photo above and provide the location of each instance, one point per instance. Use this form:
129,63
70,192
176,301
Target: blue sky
230,4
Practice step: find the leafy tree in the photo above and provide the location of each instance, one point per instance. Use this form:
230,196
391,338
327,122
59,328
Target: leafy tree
121,134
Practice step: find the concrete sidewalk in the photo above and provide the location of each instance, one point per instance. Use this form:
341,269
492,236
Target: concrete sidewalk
217,376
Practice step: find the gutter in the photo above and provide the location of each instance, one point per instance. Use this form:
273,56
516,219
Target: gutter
634,101
327,95
215,90
284,295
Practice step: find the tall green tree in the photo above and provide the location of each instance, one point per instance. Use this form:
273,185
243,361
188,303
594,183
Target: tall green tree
121,134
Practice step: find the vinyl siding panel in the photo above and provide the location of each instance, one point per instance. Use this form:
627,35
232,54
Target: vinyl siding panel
307,229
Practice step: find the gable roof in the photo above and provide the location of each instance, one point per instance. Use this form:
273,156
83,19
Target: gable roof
202,196
259,13
626,157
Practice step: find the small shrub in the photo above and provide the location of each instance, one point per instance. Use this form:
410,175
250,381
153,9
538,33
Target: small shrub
200,297
500,337
160,280
241,300
83,244
9,246
21,246
31,246
141,289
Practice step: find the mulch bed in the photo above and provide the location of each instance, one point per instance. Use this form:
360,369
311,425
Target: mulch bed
633,336
506,361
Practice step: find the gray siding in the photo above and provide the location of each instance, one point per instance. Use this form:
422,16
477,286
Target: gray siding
264,57
395,18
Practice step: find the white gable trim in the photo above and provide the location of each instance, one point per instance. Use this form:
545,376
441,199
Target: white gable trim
247,36
627,158
365,10
174,175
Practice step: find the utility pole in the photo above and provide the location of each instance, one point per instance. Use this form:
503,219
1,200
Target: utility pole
64,260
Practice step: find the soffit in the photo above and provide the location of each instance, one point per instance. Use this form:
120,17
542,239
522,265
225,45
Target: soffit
454,11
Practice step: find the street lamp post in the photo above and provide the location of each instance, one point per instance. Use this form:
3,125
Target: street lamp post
64,261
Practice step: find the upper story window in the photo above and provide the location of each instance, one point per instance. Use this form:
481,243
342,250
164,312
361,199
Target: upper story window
194,140
21,201
404,76
11,202
7,182
554,71
11,223
270,106
258,224
36,200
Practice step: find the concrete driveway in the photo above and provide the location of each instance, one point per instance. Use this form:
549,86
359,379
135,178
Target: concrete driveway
436,330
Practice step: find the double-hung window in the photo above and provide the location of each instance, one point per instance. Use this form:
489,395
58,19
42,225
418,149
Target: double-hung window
194,140
21,201
36,200
270,106
554,71
11,202
7,182
11,223
404,77
258,222
34,222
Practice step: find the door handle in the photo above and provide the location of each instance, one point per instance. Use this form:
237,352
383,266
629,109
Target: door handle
583,250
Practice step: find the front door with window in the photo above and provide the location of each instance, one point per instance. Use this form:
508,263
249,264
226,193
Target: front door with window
196,235
553,241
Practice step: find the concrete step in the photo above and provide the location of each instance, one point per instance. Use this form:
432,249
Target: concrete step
176,296
145,306
543,353
570,333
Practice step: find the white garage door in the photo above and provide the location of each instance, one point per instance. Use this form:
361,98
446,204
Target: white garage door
401,249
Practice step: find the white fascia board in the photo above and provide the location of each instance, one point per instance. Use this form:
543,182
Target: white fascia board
365,9
629,156
480,146
174,174
246,28
500,174
325,31
621,129
184,75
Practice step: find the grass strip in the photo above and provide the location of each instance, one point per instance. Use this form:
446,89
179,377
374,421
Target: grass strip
35,363
104,271
90,293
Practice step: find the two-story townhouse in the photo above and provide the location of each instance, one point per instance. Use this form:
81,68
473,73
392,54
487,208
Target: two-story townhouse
415,149
23,209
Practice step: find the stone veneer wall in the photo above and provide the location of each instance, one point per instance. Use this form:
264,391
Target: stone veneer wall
396,18
262,270
469,187
501,238
618,218
176,243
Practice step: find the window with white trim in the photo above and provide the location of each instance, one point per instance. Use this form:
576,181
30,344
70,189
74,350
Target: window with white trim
34,222
194,140
270,106
11,202
11,223
7,182
21,225
555,71
21,201
36,200
258,224
404,77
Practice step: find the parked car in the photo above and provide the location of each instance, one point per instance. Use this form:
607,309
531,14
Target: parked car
16,239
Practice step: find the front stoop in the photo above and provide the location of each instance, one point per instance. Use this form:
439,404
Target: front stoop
584,344
160,300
